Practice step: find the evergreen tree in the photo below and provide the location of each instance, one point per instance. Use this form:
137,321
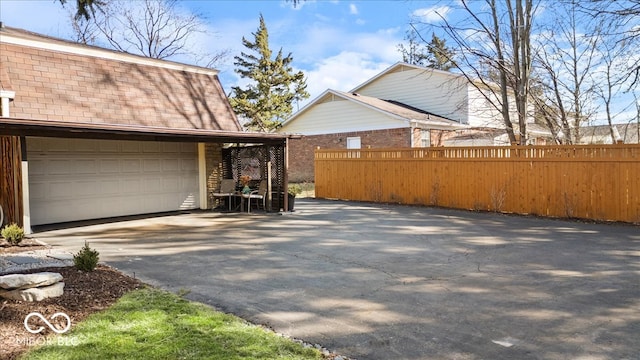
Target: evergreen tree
84,7
414,52
435,54
267,100
440,56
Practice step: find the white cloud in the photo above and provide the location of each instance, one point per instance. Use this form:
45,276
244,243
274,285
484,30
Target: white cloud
342,72
321,41
432,14
353,9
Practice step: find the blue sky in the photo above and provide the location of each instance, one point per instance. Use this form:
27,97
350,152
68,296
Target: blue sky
338,44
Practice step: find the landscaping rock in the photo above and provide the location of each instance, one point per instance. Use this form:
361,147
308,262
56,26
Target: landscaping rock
34,294
25,281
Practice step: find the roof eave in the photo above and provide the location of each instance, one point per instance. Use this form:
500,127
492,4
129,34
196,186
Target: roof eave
46,128
387,70
15,36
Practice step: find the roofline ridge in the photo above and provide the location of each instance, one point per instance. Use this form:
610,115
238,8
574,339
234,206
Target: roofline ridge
17,36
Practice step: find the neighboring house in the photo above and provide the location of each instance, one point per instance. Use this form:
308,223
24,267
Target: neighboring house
403,106
601,134
92,133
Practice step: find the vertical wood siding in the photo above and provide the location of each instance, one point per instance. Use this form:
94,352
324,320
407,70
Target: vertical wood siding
11,179
599,182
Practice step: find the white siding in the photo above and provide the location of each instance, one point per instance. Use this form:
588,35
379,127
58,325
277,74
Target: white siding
481,112
78,179
442,94
337,115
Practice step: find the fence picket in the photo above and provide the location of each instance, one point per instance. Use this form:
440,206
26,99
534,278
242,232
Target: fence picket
600,182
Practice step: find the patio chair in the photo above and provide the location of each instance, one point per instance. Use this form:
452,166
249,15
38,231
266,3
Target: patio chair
260,194
227,189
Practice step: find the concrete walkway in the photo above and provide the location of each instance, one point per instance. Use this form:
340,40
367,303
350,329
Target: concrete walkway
395,282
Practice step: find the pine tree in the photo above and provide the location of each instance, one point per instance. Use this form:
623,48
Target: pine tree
268,99
440,56
414,52
435,54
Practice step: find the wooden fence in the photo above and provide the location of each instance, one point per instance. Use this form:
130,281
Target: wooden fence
599,182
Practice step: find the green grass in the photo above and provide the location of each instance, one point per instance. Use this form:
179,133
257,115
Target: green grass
154,324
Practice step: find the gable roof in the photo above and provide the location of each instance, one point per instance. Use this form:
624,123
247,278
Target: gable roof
64,82
628,133
399,66
390,108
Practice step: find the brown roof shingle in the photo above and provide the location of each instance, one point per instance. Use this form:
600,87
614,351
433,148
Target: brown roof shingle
64,83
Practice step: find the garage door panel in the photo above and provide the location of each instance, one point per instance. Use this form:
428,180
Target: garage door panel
109,146
130,186
151,166
109,178
171,148
84,188
87,145
153,203
131,147
36,168
85,166
188,165
110,166
58,167
189,184
169,183
151,147
170,165
131,166
61,190
152,186
38,191
110,187
52,145
189,202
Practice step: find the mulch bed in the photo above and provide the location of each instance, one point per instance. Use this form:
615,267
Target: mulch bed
84,294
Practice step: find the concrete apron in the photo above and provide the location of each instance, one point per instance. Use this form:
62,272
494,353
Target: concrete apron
380,281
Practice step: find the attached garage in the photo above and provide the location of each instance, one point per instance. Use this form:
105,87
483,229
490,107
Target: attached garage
77,179
91,133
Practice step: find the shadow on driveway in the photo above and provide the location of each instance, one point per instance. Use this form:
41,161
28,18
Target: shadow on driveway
380,281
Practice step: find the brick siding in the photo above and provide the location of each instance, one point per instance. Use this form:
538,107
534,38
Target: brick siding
61,86
301,166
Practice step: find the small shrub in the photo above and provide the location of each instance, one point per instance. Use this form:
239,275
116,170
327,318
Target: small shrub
13,234
295,189
86,259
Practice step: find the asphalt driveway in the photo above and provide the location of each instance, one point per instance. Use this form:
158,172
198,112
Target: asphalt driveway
396,282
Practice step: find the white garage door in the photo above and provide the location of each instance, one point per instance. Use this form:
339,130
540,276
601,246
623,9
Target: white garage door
78,179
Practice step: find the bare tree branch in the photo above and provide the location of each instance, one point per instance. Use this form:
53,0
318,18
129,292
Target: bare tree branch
157,29
495,56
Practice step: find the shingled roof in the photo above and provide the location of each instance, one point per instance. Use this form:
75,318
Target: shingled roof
392,108
64,82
